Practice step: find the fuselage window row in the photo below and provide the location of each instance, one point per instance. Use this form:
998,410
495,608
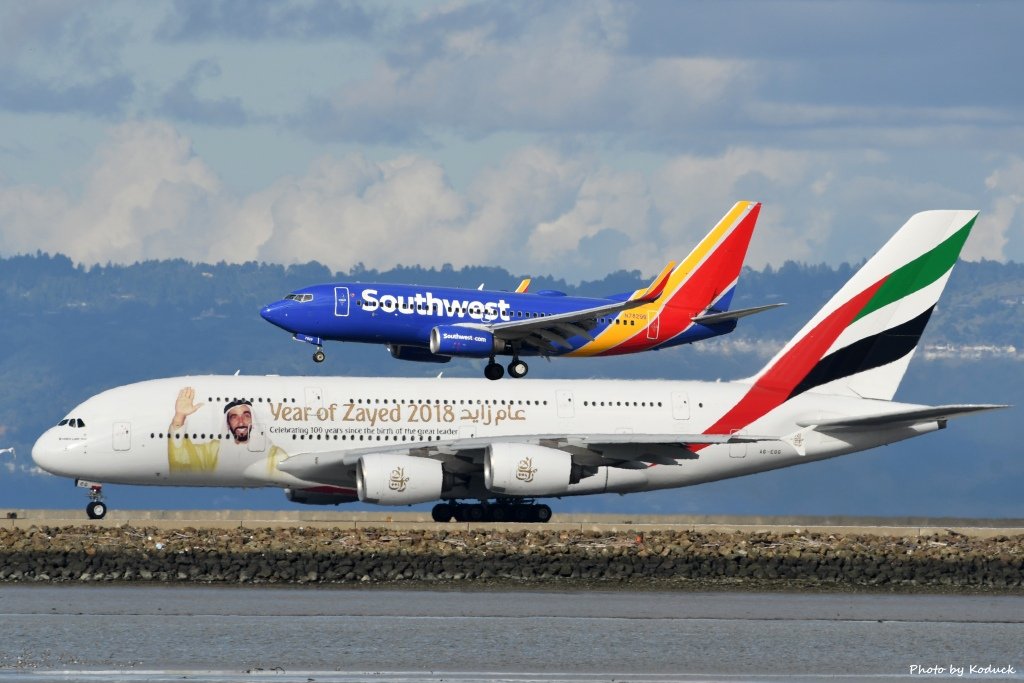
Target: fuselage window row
612,404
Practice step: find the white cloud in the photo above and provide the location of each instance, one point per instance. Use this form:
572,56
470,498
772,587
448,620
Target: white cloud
478,71
352,210
148,195
996,228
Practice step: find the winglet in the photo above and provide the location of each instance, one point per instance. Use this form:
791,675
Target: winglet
657,286
523,286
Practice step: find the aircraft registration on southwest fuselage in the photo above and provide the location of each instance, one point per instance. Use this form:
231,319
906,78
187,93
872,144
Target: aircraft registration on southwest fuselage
684,304
329,440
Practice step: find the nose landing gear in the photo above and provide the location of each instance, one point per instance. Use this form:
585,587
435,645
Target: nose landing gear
96,509
318,356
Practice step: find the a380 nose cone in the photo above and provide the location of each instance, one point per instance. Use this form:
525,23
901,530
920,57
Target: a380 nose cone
46,454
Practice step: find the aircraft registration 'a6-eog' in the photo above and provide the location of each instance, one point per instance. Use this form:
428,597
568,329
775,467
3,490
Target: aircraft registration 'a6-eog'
404,441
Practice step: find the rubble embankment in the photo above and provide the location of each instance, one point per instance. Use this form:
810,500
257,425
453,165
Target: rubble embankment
533,557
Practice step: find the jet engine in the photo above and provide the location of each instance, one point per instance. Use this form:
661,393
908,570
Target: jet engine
452,340
518,469
310,497
395,479
416,353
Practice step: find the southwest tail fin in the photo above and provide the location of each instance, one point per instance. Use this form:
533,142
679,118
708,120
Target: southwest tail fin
861,342
704,281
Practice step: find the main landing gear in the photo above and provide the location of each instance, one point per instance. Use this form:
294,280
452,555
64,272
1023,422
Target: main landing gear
96,509
516,369
490,512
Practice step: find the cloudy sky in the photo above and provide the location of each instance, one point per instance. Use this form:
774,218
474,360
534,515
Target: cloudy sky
570,138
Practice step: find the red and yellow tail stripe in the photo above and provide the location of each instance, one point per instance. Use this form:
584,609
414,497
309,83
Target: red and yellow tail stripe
708,272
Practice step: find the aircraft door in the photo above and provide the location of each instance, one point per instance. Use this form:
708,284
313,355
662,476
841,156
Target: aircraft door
341,299
565,406
737,450
653,325
122,436
314,397
680,405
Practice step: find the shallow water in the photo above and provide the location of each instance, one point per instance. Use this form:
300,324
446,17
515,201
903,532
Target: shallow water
217,633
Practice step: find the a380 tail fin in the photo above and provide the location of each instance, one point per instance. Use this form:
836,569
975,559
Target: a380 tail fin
861,342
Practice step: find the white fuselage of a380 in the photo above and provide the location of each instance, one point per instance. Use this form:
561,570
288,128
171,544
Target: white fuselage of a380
596,425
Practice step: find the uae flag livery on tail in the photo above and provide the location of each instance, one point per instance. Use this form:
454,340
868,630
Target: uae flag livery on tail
861,342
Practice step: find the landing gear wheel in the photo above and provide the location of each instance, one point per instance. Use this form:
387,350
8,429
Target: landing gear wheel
442,512
319,355
518,368
494,371
475,513
541,513
96,510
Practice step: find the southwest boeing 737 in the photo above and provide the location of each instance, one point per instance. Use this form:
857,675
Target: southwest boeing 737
329,440
684,304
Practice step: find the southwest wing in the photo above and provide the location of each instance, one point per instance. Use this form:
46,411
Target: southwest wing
549,332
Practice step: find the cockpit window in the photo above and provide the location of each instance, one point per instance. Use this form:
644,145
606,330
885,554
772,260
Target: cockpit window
71,422
79,423
301,298
63,422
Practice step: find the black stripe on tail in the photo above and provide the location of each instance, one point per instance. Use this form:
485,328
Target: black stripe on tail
866,354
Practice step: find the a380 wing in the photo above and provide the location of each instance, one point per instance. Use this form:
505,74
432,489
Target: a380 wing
630,451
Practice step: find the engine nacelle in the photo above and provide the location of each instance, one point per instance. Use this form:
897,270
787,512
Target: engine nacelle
313,497
395,479
519,469
416,353
452,340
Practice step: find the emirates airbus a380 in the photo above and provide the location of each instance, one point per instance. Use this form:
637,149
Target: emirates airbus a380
502,446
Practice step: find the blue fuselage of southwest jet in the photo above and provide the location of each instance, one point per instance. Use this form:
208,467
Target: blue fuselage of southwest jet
406,315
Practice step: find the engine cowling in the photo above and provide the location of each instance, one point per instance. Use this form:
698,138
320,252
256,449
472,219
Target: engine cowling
395,479
452,340
313,497
416,353
517,469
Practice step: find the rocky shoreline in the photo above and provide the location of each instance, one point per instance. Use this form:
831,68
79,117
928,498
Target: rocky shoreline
532,558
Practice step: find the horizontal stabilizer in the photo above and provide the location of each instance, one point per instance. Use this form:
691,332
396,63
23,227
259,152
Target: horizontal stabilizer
725,316
901,417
